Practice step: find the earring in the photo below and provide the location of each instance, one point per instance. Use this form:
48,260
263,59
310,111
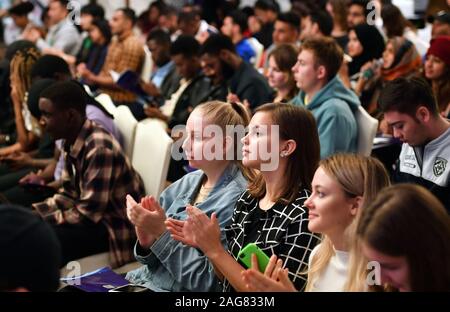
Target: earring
283,154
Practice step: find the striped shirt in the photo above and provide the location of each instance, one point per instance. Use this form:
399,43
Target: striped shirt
282,230
96,179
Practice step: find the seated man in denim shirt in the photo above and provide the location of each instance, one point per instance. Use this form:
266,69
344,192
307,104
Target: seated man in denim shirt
170,265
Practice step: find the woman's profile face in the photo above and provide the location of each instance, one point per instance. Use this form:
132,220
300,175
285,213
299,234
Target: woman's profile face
329,208
434,67
260,144
393,270
388,55
354,46
277,79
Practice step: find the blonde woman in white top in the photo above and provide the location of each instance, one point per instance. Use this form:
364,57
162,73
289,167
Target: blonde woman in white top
341,185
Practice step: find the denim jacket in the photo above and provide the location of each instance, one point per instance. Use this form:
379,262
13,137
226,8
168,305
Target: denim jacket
169,265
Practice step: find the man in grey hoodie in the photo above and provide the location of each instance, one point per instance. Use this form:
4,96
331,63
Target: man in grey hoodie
322,92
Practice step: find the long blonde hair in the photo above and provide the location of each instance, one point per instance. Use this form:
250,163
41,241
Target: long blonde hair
358,176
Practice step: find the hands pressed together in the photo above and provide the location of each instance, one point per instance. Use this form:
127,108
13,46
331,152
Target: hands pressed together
148,219
202,232
150,223
274,279
198,231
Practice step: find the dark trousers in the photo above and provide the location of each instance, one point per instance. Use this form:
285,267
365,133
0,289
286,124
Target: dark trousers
25,197
82,240
10,178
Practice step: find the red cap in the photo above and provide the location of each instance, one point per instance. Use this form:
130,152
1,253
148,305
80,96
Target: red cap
440,47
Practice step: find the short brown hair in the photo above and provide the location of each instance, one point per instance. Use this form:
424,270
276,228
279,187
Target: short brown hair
326,53
298,124
406,95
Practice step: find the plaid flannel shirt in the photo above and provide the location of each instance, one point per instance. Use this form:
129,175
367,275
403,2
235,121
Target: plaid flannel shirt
284,232
123,54
96,178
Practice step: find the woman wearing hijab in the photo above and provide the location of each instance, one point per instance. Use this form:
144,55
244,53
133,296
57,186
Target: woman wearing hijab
400,59
365,44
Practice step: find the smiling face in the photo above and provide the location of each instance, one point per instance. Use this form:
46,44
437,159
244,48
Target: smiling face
330,210
394,271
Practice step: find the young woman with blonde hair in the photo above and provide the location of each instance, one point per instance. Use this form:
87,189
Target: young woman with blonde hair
214,188
341,186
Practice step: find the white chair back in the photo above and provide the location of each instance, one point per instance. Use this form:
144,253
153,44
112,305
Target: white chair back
126,123
367,129
106,101
151,155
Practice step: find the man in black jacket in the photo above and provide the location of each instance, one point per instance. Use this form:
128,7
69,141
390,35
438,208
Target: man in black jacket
244,82
194,87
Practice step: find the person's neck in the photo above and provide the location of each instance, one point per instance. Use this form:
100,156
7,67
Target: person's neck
338,31
235,61
237,38
59,21
338,240
163,63
193,74
274,181
282,93
218,79
314,90
101,41
73,135
25,24
439,127
125,34
214,172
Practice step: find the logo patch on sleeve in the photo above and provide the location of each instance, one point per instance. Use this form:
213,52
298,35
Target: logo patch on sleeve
439,166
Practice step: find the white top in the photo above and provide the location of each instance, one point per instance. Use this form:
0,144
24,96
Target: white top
334,276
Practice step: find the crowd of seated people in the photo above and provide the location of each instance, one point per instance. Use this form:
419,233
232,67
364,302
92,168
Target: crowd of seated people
269,102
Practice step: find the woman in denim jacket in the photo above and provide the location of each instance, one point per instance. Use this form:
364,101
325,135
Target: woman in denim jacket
169,265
